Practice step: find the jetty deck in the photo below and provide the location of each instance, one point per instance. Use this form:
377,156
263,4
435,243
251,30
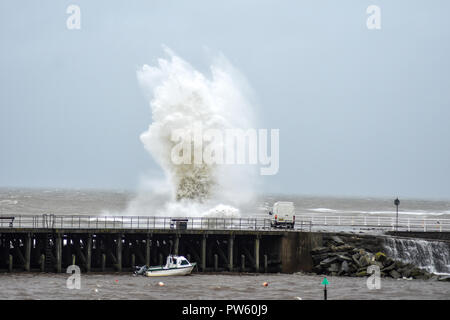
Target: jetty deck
51,243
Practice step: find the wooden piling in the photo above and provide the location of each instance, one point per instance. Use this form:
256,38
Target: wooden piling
147,251
103,262
216,262
242,263
88,253
27,252
42,262
58,247
119,253
10,263
230,252
177,244
256,254
203,253
265,263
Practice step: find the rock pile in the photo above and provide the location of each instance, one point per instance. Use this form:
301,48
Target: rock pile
342,258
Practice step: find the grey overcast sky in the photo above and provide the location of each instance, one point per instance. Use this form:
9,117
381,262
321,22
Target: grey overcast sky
361,112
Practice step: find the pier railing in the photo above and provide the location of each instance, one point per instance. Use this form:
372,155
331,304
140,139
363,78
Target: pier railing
306,223
377,222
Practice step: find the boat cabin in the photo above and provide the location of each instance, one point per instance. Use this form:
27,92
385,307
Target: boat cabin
176,262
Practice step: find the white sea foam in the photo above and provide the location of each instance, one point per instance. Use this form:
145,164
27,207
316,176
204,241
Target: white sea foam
378,212
8,202
181,97
324,210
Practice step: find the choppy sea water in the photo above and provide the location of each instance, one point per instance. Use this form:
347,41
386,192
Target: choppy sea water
93,202
215,287
209,286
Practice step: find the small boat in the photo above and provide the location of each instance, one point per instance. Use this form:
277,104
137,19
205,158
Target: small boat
175,266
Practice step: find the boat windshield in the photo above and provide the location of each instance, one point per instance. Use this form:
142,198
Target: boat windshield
184,262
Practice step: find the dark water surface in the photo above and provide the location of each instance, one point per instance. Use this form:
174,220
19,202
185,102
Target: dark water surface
213,286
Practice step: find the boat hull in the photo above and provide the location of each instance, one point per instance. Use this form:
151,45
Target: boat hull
170,272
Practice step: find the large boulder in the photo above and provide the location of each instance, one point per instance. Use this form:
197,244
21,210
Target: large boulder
328,261
355,259
364,260
342,248
343,257
416,272
345,268
337,240
380,256
318,250
394,274
387,262
388,268
334,267
444,278
317,258
362,273
405,271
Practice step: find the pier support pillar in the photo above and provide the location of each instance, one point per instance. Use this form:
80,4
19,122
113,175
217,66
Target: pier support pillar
176,244
242,263
257,254
230,253
27,252
147,251
119,253
58,247
265,263
42,262
203,253
103,262
133,261
216,262
10,263
88,253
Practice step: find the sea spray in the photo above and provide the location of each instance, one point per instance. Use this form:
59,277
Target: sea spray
433,256
182,98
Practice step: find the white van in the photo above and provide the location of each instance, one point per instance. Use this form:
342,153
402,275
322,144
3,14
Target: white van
283,215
